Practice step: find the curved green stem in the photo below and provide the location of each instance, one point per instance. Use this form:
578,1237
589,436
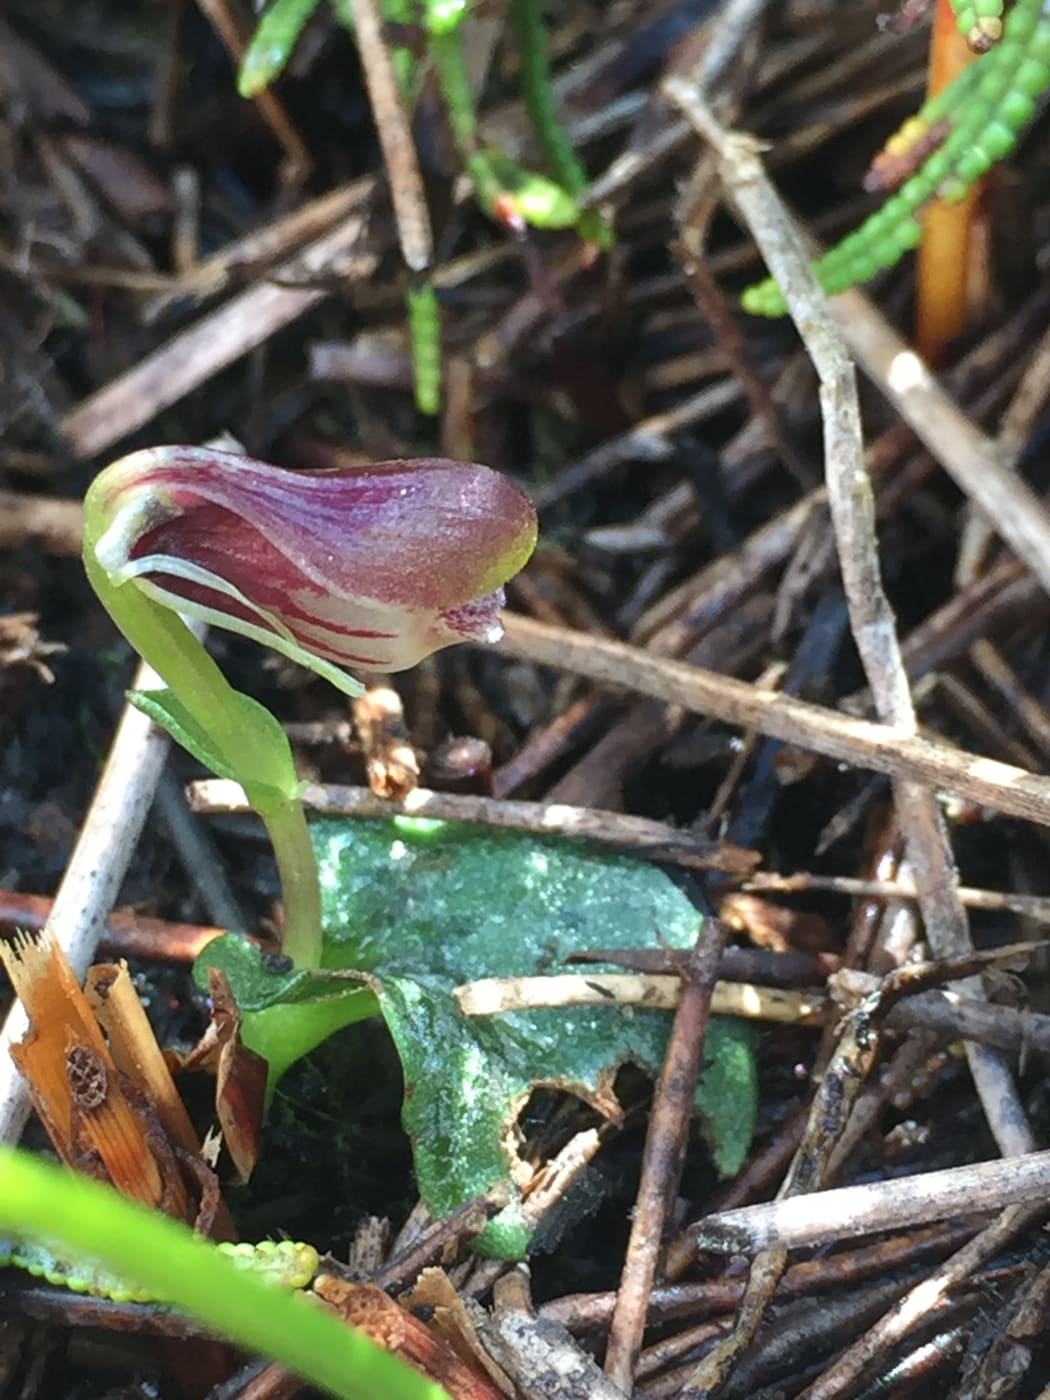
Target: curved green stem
300,889
450,63
224,729
163,639
526,18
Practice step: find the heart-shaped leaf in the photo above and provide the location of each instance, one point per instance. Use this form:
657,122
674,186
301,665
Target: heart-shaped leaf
425,906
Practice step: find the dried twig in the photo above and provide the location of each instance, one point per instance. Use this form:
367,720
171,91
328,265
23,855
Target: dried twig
533,1350
249,319
836,1093
395,137
1029,906
664,1153
653,840
490,996
790,969
584,1311
913,1309
227,27
853,516
125,934
458,1226
951,1017
969,456
94,874
256,250
200,859
878,747
821,1217
56,525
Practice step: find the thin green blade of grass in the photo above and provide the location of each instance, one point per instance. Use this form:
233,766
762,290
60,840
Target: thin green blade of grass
85,1218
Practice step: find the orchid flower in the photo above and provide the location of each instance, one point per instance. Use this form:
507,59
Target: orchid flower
372,567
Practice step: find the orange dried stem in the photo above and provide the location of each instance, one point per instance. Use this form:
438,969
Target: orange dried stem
115,1003
951,273
73,1081
369,1310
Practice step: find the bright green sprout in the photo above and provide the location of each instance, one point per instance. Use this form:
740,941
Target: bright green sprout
1000,102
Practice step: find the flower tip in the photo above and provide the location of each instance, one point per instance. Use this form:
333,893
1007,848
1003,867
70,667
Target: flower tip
478,620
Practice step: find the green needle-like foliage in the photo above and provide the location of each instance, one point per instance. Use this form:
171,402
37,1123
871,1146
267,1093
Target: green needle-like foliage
271,46
999,101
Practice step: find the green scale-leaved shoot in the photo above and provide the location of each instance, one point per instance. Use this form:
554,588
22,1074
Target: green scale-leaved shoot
1000,101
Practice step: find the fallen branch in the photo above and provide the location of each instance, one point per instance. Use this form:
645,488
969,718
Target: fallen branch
824,1217
880,748
650,839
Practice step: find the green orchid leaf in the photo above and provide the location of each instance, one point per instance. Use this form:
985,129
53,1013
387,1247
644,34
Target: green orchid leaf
272,779
425,906
257,979
285,1013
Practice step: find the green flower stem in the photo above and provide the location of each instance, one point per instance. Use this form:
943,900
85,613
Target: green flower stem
530,31
450,63
85,1218
256,753
300,889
